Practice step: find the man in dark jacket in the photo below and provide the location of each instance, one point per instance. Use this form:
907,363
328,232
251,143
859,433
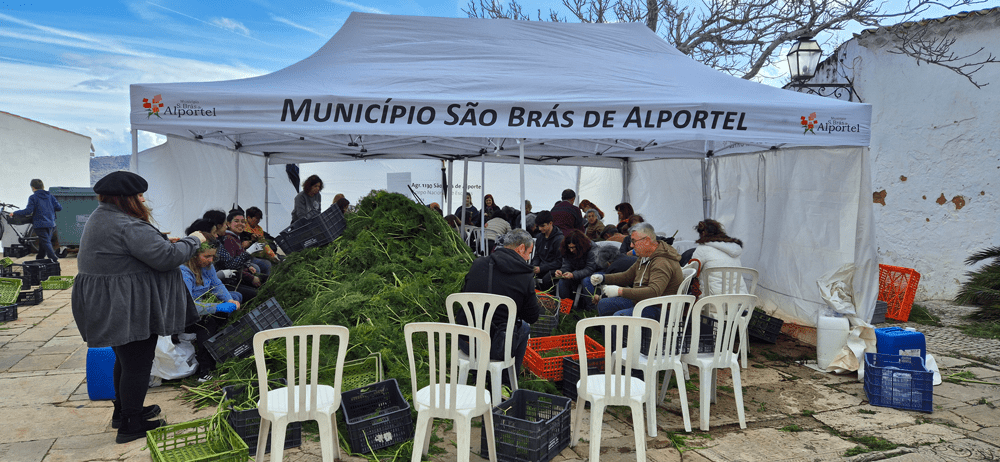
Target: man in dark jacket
42,207
506,272
567,216
548,257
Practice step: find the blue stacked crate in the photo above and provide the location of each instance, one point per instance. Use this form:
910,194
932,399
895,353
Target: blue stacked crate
899,341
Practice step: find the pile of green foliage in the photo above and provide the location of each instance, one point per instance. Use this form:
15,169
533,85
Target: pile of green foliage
394,264
983,286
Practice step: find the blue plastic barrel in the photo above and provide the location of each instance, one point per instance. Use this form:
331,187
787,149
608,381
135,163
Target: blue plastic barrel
100,373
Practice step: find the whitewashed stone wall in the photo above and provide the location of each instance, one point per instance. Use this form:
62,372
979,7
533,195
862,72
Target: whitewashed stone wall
935,150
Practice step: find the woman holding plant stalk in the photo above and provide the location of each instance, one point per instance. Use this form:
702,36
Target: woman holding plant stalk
128,292
214,302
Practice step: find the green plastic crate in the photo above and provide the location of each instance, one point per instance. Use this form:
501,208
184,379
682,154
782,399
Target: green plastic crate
9,290
197,441
57,283
6,261
361,372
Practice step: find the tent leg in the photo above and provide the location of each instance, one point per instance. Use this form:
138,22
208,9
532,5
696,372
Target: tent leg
465,190
267,183
236,198
524,225
625,175
706,193
482,211
451,181
134,161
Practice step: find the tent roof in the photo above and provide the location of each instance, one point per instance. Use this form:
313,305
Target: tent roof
399,87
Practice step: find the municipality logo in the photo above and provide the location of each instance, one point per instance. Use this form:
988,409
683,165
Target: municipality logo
153,107
808,123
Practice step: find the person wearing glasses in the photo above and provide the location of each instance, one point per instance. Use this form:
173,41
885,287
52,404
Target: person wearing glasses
655,273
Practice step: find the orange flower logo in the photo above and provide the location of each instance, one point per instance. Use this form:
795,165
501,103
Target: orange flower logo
153,108
808,123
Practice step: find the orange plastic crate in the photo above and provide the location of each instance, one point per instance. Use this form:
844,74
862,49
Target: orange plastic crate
897,286
565,305
551,368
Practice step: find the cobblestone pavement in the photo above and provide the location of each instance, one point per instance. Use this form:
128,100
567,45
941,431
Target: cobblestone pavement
793,413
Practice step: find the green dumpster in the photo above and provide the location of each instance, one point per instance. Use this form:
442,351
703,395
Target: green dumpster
77,205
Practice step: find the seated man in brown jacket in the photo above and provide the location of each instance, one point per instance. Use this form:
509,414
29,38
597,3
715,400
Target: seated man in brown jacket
657,272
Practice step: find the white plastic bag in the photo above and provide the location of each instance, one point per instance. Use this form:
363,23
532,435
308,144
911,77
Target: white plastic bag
173,362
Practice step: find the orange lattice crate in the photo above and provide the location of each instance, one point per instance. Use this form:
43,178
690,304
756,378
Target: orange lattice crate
897,286
551,367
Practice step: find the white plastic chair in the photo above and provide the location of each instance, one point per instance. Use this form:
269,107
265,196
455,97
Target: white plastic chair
445,397
671,322
304,398
616,386
728,310
479,309
689,274
733,281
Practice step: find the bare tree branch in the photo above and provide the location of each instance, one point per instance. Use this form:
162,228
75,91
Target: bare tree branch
937,51
741,37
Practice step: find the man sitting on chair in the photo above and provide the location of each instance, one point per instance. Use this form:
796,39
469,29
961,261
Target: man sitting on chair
657,272
506,272
548,255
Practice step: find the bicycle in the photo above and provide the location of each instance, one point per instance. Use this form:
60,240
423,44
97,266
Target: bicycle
28,239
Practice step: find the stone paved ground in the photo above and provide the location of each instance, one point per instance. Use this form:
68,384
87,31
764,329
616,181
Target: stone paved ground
793,412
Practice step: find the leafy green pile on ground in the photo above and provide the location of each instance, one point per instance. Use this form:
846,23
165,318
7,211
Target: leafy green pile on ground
394,264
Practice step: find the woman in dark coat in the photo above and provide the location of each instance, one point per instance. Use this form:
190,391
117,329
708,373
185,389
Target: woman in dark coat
128,291
579,262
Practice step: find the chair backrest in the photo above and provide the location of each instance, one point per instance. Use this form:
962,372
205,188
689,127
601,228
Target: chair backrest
441,363
673,311
728,310
686,283
616,385
732,278
479,309
302,347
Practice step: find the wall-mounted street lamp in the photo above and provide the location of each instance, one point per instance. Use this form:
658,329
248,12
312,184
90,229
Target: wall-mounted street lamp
803,59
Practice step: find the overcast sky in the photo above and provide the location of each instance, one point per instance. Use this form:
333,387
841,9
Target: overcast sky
70,64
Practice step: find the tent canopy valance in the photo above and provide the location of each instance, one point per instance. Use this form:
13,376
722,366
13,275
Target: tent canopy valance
399,86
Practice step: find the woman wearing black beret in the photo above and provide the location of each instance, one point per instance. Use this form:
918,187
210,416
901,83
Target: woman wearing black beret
128,291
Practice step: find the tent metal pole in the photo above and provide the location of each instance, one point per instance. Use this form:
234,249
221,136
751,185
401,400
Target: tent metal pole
134,161
451,181
706,195
524,225
482,210
465,190
267,184
236,202
625,175
444,192
579,194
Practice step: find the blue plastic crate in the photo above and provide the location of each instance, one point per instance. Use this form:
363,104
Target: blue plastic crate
899,341
100,373
900,382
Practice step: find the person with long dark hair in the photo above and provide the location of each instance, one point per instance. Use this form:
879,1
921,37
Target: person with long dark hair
715,249
309,200
625,212
579,261
128,291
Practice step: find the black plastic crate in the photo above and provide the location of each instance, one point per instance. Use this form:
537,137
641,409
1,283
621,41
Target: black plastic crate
706,343
530,426
268,315
234,341
30,297
764,327
36,271
571,373
377,416
16,251
247,423
547,322
319,230
881,308
8,313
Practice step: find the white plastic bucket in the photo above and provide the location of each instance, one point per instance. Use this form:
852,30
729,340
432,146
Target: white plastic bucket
831,336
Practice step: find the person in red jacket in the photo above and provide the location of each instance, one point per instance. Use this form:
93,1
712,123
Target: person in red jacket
567,216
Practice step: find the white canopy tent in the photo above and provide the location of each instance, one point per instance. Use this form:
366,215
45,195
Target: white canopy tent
602,95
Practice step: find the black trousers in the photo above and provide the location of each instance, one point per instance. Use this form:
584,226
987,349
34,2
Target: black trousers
133,362
204,329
